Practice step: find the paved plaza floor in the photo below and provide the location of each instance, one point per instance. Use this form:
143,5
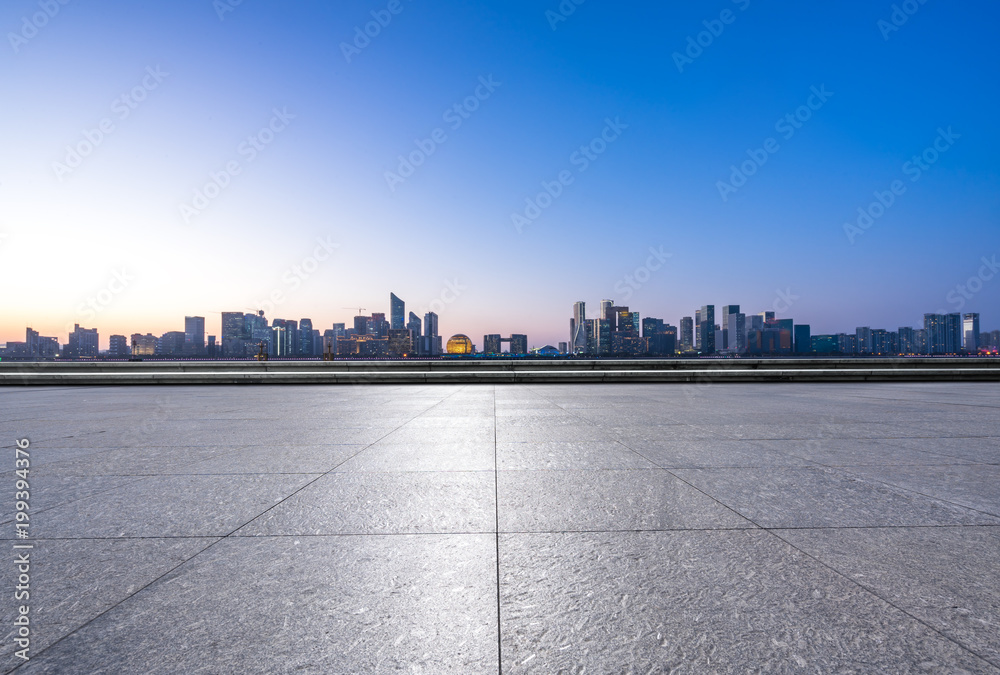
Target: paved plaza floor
773,528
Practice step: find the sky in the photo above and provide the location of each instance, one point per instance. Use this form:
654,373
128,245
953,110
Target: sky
496,162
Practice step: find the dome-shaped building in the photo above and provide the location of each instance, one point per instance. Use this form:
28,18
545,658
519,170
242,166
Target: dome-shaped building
459,344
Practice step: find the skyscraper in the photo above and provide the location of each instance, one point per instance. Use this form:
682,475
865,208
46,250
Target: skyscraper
706,330
687,333
864,336
430,343
734,332
606,310
578,328
627,322
430,324
361,324
306,338
194,335
397,310
970,333
935,330
491,344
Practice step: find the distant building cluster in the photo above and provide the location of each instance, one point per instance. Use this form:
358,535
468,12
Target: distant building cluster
617,331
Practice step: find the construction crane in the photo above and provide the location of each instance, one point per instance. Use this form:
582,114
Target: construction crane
360,309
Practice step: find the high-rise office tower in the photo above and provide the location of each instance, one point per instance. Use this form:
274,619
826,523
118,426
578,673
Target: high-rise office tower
687,333
233,333
864,337
397,310
907,340
430,324
430,343
627,322
607,311
194,335
706,330
361,325
379,326
518,344
934,326
734,332
803,338
491,344
306,338
578,328
970,333
697,328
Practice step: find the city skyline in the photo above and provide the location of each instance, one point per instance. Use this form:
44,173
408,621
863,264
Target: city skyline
410,334
312,149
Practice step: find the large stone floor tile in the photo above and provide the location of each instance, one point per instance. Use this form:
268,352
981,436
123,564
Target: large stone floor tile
277,458
423,604
976,486
386,503
820,497
637,499
173,506
944,576
699,602
389,456
714,453
979,450
858,452
579,455
73,581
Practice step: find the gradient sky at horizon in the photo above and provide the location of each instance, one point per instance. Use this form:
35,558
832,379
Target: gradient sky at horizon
778,241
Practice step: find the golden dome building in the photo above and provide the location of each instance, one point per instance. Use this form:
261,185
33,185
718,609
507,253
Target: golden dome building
459,345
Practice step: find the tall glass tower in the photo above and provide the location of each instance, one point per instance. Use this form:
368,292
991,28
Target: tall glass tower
397,312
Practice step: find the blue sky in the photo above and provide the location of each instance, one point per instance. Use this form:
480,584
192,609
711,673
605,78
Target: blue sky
121,242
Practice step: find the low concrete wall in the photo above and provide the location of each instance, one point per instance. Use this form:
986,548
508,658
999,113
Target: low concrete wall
501,371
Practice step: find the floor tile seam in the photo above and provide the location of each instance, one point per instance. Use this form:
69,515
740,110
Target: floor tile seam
925,495
929,403
341,463
496,535
676,477
116,604
879,596
481,533
35,512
